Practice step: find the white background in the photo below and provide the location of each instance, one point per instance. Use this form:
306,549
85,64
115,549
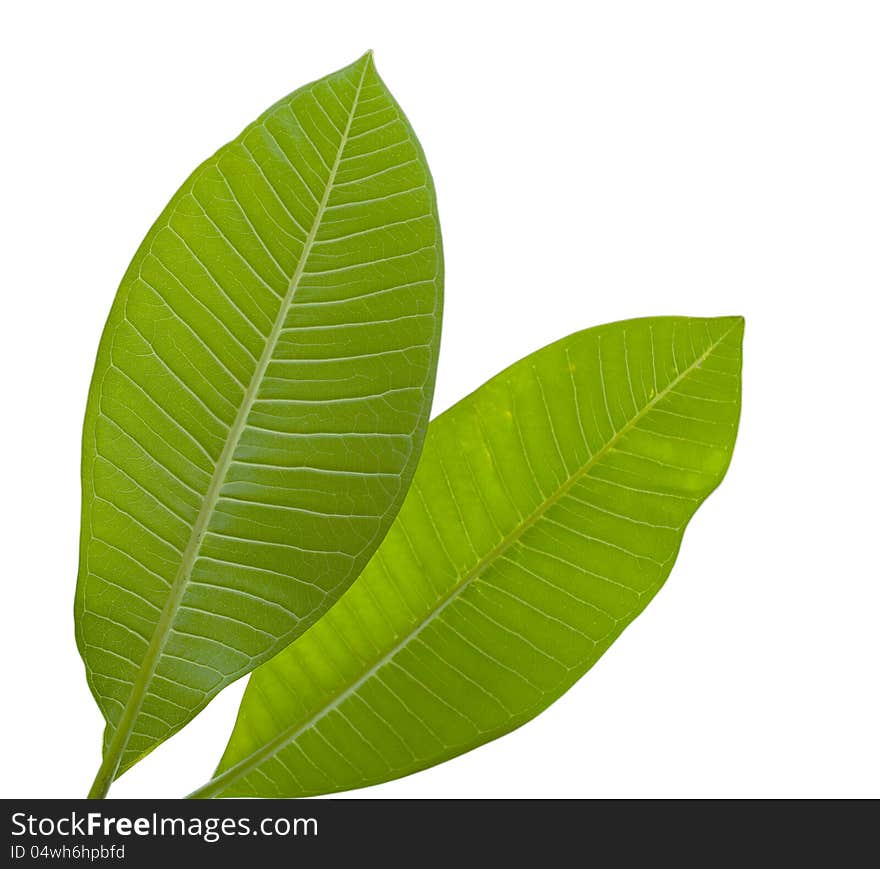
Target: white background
594,161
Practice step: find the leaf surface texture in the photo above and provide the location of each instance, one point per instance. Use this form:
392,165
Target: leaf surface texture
547,510
259,402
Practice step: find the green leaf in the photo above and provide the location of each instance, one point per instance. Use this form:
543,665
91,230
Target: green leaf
259,402
547,510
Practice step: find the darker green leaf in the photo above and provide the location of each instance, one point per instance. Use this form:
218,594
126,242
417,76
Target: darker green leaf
258,404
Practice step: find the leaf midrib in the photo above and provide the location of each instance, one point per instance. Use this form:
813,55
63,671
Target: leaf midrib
153,653
244,766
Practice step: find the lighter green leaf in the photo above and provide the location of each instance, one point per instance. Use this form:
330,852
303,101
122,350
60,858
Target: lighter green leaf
547,510
258,405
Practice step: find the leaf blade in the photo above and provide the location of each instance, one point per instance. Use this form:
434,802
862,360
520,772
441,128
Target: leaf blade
547,510
266,373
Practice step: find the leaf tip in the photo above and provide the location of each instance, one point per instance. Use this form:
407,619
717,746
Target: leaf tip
734,324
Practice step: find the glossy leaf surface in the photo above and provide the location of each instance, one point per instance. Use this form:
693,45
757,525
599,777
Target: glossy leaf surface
258,405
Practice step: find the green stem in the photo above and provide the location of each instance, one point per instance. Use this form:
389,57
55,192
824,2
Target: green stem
104,778
208,790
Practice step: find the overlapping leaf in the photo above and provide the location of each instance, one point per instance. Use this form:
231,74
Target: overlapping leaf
546,512
258,404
